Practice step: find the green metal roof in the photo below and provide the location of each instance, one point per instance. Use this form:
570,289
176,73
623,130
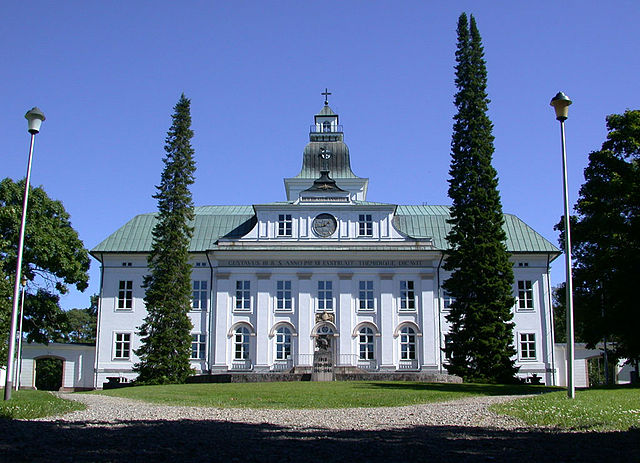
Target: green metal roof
214,222
326,111
339,165
211,223
431,222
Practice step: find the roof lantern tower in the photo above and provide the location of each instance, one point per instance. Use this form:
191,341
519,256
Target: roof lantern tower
326,135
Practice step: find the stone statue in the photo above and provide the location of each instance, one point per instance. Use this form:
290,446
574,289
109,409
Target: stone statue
322,343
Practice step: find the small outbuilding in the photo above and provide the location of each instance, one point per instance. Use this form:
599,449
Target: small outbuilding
71,366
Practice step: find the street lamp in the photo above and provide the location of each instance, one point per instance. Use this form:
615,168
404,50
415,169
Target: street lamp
35,118
19,356
561,103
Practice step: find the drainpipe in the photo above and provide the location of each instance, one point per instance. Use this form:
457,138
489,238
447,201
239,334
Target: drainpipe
95,360
209,353
440,313
551,321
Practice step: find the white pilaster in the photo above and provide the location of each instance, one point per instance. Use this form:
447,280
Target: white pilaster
344,311
386,320
306,314
221,321
263,321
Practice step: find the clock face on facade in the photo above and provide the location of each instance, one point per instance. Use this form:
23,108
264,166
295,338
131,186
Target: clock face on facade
324,225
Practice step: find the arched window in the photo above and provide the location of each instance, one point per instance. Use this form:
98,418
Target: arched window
283,343
365,342
407,343
326,126
241,344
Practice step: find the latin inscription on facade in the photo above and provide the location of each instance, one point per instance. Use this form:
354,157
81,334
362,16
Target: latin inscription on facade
324,263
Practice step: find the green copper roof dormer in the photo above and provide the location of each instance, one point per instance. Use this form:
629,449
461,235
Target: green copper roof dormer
214,222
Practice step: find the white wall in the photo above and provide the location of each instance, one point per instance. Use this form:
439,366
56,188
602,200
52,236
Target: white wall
77,367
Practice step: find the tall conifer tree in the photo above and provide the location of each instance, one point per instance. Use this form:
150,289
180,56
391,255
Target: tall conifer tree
165,332
480,344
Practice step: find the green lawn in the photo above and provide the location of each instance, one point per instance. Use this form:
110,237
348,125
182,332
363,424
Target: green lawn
27,405
339,394
593,409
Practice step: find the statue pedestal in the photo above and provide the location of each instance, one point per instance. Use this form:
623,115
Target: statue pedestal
322,365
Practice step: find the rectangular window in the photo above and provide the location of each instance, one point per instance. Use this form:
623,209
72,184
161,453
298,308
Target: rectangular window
407,295
325,296
525,295
284,225
122,346
447,300
527,346
283,295
447,344
243,295
199,295
365,225
366,301
125,295
198,346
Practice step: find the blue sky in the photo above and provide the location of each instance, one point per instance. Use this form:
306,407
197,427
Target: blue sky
107,75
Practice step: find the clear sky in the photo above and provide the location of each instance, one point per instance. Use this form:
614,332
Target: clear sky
107,75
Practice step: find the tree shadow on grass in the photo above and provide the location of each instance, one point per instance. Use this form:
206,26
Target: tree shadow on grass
193,440
479,389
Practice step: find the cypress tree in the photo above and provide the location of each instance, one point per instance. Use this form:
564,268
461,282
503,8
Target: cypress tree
166,331
480,346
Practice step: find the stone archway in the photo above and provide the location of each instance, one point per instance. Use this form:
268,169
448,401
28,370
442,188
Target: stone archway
49,372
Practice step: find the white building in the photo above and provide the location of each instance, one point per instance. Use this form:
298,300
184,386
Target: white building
269,279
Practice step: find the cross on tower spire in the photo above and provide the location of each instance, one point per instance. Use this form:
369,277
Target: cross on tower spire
326,94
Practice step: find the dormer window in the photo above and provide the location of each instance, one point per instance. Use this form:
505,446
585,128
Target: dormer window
284,224
326,126
365,225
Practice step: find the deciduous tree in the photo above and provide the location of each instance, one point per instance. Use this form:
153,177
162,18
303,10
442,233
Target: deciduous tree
605,237
481,334
54,258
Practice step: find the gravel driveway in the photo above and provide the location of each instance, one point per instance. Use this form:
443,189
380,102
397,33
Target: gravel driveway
122,430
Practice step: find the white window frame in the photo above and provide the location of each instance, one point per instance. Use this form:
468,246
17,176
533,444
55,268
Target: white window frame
325,302
526,345
408,302
199,295
284,296
242,298
284,344
369,299
125,345
366,344
241,343
447,342
525,299
199,346
285,225
408,339
447,300
125,295
365,225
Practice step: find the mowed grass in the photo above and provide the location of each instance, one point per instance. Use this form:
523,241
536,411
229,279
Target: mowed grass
592,409
26,405
299,395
